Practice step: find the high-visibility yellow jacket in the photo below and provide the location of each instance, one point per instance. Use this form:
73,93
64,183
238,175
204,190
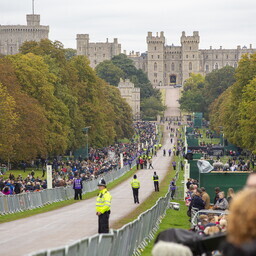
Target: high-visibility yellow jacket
135,183
155,178
103,202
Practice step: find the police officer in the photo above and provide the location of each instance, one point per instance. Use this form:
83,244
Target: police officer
135,189
156,181
103,204
78,186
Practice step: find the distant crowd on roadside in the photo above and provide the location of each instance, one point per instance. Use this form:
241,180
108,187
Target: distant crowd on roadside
99,162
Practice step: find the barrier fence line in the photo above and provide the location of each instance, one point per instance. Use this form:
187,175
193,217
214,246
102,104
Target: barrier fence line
130,240
31,200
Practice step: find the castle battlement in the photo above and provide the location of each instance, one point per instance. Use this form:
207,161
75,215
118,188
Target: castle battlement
13,36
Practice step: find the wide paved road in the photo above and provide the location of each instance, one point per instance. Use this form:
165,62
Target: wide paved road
66,225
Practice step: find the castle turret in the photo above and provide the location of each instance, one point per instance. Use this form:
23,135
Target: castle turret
190,54
82,44
33,20
156,51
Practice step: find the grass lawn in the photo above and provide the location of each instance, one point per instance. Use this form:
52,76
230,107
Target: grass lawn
38,173
172,219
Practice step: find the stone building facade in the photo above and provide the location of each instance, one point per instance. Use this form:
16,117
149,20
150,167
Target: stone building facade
13,36
97,52
131,95
169,65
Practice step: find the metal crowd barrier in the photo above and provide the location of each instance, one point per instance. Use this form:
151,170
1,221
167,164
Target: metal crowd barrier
31,200
129,240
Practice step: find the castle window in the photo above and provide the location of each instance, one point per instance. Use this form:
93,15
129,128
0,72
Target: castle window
173,67
227,56
207,68
186,56
190,48
95,62
180,66
206,56
235,56
190,66
104,55
155,66
152,56
193,56
155,48
216,66
158,56
172,57
216,56
155,74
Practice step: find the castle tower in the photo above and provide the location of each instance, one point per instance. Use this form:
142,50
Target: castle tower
190,54
33,20
156,50
82,44
13,36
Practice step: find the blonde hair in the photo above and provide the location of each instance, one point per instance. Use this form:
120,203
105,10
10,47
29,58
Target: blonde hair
231,192
242,218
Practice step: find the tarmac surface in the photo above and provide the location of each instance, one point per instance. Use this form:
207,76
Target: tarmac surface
66,225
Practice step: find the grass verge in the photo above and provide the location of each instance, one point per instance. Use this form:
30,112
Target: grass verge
172,219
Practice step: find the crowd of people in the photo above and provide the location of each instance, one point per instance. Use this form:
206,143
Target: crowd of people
99,162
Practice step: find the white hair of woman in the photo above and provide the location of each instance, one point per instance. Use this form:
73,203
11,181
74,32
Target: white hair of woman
170,249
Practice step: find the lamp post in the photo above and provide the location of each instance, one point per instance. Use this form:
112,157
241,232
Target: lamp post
86,130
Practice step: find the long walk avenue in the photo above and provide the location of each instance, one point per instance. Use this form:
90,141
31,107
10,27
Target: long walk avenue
68,224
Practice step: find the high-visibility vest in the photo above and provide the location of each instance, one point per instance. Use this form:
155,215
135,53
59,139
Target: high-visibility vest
103,201
155,178
135,183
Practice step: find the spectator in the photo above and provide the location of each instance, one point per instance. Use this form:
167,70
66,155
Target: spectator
230,195
163,248
217,191
206,198
197,202
241,231
222,203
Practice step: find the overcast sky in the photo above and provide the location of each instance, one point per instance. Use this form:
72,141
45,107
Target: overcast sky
226,23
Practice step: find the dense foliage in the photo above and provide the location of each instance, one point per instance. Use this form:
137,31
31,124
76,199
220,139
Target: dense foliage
48,96
122,67
235,110
200,92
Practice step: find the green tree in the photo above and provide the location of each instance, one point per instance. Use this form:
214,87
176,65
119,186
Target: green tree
217,82
192,98
151,107
109,72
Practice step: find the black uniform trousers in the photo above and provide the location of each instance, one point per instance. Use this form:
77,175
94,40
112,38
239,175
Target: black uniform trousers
135,195
156,184
78,192
104,222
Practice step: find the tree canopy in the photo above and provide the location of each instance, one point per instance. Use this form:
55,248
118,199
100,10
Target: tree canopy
121,66
235,109
47,98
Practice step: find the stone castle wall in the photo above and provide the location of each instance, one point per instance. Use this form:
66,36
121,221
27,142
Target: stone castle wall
13,36
131,95
168,65
97,52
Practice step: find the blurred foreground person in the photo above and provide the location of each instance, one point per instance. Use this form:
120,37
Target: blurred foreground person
241,228
103,204
170,249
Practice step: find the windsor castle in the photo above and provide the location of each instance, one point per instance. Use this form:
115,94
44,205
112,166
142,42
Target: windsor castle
164,64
